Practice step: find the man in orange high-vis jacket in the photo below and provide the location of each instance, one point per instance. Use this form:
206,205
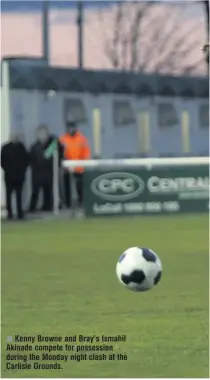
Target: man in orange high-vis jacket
75,147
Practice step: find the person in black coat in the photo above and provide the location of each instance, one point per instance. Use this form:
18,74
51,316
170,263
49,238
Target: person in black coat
14,162
41,162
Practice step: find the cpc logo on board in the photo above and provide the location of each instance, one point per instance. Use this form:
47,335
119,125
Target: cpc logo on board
117,186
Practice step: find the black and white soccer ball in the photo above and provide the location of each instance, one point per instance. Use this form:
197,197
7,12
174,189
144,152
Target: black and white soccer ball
139,269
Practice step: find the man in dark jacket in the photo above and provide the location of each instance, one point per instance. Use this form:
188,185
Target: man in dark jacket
14,162
41,160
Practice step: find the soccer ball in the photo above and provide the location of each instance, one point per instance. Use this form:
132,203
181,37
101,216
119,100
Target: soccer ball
139,269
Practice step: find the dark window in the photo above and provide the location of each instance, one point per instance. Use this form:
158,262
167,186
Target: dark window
167,115
123,113
75,109
204,116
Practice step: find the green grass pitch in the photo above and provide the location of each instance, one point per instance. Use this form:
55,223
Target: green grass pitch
58,278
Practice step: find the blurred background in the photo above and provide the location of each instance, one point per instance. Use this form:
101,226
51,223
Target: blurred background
133,75
143,36
149,56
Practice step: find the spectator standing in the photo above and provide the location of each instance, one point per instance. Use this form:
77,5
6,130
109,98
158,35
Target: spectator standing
14,162
41,161
76,147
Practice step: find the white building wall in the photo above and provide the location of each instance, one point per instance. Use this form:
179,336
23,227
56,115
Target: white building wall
30,108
